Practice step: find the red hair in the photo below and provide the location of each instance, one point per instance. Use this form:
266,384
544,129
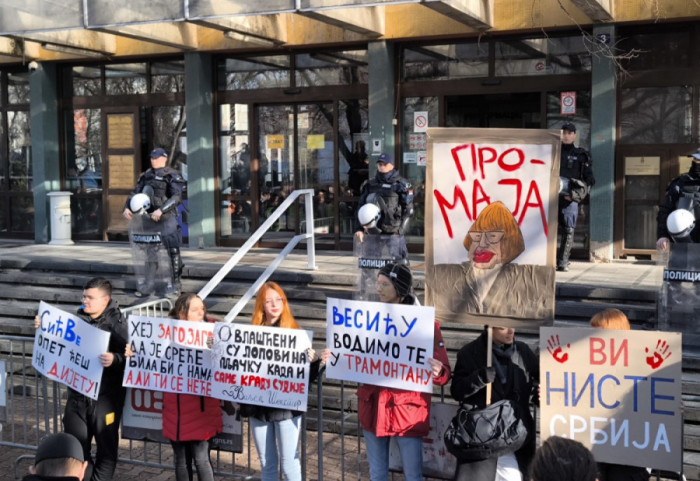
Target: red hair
286,317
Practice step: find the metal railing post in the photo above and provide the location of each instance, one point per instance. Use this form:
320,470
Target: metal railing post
310,241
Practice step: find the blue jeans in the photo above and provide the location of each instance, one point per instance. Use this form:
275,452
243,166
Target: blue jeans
267,437
378,456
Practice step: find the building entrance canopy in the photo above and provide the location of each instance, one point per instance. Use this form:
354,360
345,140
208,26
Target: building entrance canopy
47,30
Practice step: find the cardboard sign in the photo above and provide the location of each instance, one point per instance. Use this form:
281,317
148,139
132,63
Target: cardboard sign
491,225
142,419
67,350
169,355
438,462
617,392
264,366
381,344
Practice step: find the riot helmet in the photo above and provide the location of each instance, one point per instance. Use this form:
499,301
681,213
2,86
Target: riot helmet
140,203
680,223
369,215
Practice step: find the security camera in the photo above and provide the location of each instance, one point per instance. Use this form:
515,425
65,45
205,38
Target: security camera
33,66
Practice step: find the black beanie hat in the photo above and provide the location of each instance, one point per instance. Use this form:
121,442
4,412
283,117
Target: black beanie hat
59,445
400,276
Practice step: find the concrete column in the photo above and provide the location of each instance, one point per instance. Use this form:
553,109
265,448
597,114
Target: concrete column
603,123
382,94
44,118
199,72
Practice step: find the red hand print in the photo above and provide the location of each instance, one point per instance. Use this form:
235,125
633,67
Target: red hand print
555,349
660,354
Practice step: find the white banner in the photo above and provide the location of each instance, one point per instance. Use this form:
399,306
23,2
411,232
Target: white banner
382,344
169,355
264,366
142,419
617,392
67,350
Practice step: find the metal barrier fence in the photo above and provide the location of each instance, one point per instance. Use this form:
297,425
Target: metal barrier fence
32,407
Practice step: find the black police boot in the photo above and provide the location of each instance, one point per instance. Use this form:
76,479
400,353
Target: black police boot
177,266
567,242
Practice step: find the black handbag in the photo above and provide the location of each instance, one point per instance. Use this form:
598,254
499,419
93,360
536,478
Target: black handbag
476,434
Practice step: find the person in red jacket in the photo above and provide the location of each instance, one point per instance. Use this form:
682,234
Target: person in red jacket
190,421
387,413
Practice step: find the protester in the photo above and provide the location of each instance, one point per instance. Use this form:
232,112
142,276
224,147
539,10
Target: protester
575,169
563,459
683,193
392,194
190,421
273,427
616,319
387,413
85,418
164,186
514,375
59,457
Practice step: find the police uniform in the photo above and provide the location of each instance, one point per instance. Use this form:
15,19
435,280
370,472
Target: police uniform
682,193
575,165
165,186
394,197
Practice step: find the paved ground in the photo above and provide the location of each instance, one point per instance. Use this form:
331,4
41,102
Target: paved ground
338,462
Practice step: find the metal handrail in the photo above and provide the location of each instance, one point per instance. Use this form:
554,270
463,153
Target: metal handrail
252,240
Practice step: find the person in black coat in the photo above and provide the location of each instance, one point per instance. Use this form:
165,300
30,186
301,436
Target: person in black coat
84,417
514,375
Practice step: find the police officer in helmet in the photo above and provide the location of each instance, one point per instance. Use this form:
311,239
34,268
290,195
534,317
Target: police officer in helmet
392,194
683,193
575,169
164,185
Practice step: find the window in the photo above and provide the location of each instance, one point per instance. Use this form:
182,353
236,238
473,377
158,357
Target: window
254,73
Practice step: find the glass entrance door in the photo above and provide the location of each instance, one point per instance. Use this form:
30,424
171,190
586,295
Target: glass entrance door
644,172
296,150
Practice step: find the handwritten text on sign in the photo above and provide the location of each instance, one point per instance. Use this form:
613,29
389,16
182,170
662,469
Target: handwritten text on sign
169,355
264,366
382,344
67,350
470,175
617,392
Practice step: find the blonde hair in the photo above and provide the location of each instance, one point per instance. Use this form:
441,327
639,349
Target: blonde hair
497,217
611,319
286,317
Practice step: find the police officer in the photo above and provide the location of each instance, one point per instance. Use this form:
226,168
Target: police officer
164,185
392,194
682,193
576,172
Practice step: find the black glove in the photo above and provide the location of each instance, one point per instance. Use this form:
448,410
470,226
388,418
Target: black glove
487,374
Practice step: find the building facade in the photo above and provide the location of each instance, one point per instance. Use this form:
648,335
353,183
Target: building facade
254,101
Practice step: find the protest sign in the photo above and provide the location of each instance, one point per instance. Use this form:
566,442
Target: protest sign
438,462
142,419
67,350
491,225
379,343
260,365
169,355
617,392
